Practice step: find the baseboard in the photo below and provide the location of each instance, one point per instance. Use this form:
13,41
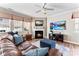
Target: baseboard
71,42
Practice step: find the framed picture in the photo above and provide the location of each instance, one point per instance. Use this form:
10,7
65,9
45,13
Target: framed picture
38,22
59,25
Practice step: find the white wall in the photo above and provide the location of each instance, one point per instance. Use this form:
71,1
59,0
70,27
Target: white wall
70,35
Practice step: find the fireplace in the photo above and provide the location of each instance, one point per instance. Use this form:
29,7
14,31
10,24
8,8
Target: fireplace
38,34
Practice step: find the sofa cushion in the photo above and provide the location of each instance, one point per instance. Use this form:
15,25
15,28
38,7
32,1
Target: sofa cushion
17,39
29,48
42,51
37,52
24,45
6,35
31,52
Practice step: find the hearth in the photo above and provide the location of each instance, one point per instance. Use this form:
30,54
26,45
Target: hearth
38,34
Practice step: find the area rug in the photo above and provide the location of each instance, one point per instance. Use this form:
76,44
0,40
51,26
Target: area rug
64,50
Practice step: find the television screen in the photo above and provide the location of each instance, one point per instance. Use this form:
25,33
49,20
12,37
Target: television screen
59,25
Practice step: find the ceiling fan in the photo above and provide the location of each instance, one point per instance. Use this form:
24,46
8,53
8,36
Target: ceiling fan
44,9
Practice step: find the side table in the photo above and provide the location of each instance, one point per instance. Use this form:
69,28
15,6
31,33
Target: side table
54,52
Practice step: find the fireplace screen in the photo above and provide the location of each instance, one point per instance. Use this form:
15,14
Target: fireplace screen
38,34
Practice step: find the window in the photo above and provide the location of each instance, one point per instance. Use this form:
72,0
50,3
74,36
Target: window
7,25
77,24
27,26
17,25
4,25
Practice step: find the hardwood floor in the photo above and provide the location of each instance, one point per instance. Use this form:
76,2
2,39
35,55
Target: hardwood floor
73,48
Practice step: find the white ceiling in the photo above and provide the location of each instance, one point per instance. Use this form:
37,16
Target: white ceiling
31,8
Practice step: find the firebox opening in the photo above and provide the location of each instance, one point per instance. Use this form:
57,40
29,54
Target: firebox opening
38,34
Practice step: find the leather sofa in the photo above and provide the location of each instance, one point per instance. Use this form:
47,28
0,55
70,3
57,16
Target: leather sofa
16,46
7,48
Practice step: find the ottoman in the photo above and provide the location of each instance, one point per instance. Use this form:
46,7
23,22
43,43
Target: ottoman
48,43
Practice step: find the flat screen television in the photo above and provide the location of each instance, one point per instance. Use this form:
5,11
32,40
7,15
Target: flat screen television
59,25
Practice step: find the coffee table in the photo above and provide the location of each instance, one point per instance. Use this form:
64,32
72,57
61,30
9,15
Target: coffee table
54,52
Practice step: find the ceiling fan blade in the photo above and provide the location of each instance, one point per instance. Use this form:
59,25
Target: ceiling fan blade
38,11
44,5
48,8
